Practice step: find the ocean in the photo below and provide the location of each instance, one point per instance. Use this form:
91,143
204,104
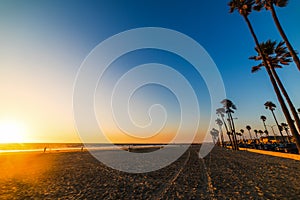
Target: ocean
56,147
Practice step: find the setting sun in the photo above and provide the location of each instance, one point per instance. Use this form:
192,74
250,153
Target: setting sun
12,132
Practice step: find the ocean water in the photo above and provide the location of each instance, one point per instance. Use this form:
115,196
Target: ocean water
56,147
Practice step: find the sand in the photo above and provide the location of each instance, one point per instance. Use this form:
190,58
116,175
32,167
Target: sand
224,174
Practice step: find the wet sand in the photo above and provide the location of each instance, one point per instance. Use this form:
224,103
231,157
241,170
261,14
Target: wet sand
224,174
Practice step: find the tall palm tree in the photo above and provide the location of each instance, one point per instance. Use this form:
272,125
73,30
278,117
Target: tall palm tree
244,7
229,109
277,56
285,126
264,118
255,131
221,113
249,130
220,123
270,6
215,135
271,106
242,133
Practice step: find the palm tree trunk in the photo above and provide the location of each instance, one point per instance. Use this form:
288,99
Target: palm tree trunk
283,35
250,134
222,136
288,135
278,126
233,131
285,94
233,138
227,130
275,86
265,126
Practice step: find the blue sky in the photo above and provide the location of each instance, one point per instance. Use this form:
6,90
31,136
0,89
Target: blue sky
43,44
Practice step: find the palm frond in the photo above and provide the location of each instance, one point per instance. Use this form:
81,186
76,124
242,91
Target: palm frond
256,68
281,3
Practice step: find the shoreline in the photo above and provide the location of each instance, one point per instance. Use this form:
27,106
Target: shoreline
135,149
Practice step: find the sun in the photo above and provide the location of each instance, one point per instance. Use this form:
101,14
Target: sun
12,132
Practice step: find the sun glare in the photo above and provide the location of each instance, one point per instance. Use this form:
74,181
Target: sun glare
12,132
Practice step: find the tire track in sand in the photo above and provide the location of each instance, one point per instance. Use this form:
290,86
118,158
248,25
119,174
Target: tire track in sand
160,194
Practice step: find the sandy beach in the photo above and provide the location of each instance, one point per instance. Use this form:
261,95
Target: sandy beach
223,174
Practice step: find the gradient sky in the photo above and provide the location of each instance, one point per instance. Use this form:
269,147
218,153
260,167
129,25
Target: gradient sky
43,44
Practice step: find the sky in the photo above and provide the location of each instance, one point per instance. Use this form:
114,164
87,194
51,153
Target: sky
44,43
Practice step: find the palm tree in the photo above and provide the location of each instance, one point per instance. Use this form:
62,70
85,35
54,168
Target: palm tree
269,5
255,131
266,132
260,132
229,109
264,118
220,123
277,56
242,133
215,135
239,134
249,130
244,7
285,126
271,106
221,113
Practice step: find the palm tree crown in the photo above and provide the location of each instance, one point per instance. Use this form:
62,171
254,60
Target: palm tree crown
270,105
228,105
276,55
220,111
263,118
270,6
285,126
219,122
244,7
267,4
248,127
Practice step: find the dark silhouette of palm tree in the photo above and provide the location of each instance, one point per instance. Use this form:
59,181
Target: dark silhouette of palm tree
249,130
277,56
242,133
269,5
239,134
220,123
266,132
229,109
215,135
221,113
271,106
244,7
260,132
264,118
255,131
285,126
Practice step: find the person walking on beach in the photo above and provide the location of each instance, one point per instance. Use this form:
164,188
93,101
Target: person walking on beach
45,149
